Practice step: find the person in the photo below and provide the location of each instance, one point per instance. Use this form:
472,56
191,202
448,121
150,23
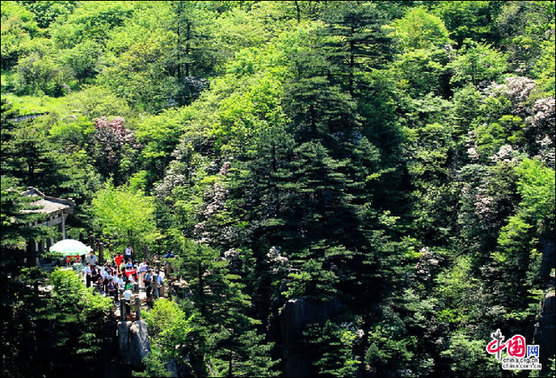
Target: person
92,259
127,253
107,280
112,290
142,271
160,283
127,299
118,260
130,271
88,275
95,274
99,284
148,283
128,284
118,283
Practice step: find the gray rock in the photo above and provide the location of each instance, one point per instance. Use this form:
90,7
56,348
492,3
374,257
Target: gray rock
179,368
123,337
297,313
293,318
549,304
134,342
548,256
172,367
545,329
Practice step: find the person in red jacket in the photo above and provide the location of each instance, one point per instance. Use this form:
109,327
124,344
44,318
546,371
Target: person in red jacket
131,271
118,260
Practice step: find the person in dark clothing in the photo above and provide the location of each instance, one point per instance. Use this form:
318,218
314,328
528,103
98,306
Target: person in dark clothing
99,284
112,290
105,282
94,274
148,283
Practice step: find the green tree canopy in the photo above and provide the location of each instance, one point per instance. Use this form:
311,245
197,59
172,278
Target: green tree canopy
125,213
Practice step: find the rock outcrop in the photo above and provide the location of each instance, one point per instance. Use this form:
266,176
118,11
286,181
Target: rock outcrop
134,342
548,256
545,330
294,316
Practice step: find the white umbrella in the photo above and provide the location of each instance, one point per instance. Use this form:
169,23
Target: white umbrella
70,247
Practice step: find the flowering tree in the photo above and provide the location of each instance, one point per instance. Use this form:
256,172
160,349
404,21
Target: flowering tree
111,142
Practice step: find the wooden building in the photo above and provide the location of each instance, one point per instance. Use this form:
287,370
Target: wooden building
55,211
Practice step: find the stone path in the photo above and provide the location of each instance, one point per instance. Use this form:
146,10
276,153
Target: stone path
143,298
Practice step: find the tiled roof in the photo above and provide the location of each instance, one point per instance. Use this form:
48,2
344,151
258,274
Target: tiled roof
47,204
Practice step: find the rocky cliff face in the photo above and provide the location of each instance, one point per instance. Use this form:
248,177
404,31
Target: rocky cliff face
294,316
545,330
133,341
548,256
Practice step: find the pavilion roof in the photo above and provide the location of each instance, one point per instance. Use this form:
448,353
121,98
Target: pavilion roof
48,204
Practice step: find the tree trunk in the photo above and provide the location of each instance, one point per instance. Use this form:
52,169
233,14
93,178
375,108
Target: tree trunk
201,292
187,50
351,62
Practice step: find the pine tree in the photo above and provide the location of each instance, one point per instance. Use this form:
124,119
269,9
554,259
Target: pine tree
355,43
26,152
233,345
317,106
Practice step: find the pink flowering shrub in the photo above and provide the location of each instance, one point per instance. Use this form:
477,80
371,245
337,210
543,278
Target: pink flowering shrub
541,127
518,89
544,114
110,139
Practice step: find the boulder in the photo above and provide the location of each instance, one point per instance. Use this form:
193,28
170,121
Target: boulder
134,342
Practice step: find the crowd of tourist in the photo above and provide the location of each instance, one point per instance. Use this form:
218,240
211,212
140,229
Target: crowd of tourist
123,276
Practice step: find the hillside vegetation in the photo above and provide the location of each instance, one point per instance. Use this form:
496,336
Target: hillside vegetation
387,166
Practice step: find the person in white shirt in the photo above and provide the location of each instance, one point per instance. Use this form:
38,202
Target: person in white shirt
88,275
127,298
127,295
127,253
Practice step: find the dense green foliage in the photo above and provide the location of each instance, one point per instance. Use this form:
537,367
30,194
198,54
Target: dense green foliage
386,166
57,329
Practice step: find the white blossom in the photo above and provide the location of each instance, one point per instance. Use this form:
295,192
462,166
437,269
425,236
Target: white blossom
276,260
472,153
505,154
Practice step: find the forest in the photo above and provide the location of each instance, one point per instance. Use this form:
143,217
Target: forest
350,188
